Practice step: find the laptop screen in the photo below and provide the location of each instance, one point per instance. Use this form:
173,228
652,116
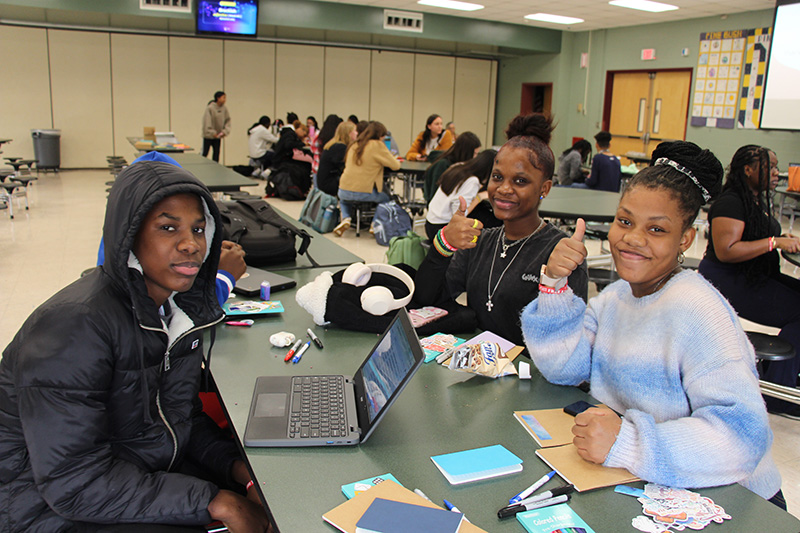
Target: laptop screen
386,371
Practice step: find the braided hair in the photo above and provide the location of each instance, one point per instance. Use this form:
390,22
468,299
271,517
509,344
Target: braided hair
533,133
756,207
674,164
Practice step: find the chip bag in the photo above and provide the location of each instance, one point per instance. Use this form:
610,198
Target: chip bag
485,359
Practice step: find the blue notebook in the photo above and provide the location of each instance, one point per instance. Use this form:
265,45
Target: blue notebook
389,516
480,463
352,489
557,518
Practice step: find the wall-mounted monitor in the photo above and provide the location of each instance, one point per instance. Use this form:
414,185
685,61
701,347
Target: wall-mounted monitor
781,103
227,17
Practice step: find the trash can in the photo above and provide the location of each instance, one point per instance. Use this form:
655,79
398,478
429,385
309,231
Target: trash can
47,148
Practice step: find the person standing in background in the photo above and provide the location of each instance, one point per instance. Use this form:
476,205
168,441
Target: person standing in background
216,125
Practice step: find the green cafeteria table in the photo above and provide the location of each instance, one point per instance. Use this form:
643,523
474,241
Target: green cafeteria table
216,177
440,411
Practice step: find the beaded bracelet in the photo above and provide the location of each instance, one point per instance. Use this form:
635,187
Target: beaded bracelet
441,249
551,290
771,243
446,244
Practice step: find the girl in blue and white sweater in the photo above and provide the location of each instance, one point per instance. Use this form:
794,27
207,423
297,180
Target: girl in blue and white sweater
661,346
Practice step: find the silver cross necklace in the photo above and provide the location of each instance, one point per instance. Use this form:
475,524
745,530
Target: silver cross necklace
502,237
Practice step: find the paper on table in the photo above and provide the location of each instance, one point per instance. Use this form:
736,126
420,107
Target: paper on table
554,426
345,516
583,474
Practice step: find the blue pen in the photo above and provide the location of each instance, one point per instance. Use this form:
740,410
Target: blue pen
530,490
300,352
453,508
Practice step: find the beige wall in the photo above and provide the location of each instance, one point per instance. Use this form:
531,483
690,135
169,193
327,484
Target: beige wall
100,87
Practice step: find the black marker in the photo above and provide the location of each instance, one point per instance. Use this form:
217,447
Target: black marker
506,512
314,338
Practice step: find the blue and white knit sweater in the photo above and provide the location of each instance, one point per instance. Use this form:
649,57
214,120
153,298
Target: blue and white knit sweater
680,369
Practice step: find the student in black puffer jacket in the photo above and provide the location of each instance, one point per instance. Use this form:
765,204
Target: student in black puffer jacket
99,412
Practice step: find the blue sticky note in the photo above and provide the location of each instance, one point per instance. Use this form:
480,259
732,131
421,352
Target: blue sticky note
479,463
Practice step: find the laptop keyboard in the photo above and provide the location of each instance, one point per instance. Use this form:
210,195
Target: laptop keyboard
317,407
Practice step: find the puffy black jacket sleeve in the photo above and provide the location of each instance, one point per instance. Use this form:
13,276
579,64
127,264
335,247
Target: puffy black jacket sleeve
437,278
64,376
211,447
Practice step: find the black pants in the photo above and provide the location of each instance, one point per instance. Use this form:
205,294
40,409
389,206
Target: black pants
212,143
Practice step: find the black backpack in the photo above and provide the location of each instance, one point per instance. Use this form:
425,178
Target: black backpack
267,238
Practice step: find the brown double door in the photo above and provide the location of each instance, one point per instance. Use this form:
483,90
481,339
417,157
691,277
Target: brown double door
647,108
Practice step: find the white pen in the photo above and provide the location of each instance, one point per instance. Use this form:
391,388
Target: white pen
558,491
420,493
530,490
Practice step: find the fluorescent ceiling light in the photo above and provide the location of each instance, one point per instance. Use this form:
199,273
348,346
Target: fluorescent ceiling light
555,19
451,4
644,5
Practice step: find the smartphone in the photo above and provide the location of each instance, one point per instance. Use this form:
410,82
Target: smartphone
578,407
424,315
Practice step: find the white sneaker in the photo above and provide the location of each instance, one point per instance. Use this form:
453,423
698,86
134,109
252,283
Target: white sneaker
343,226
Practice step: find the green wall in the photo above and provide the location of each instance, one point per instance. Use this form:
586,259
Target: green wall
620,49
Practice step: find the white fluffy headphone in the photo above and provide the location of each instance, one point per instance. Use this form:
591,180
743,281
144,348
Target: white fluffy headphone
378,300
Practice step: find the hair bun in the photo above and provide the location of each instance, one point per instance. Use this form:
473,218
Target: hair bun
532,125
702,162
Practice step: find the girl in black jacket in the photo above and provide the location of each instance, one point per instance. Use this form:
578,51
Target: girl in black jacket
99,409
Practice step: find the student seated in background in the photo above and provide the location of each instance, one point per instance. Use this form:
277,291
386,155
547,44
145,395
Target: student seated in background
331,163
660,346
260,141
318,141
362,179
460,180
100,421
434,137
742,260
451,127
465,148
605,174
570,163
499,267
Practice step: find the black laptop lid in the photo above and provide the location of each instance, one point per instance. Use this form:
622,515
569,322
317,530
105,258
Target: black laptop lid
384,374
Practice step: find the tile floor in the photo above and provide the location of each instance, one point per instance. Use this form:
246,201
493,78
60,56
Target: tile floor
47,247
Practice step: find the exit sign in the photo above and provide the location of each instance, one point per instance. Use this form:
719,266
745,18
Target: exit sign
648,54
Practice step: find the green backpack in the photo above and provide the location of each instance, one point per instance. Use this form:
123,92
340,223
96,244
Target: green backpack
406,249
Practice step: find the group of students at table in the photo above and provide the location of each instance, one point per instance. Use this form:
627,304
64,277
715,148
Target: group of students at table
98,390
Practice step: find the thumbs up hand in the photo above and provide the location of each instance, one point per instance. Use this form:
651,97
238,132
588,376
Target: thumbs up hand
568,253
462,232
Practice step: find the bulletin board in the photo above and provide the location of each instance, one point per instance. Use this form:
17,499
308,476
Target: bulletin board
755,69
719,69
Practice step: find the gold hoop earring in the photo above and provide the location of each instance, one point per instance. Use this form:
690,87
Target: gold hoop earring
681,258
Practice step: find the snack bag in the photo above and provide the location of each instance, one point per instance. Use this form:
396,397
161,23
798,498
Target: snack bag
485,359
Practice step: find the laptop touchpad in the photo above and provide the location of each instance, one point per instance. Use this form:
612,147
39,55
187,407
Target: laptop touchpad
271,404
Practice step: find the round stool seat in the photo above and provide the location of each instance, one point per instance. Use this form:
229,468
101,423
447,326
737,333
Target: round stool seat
770,347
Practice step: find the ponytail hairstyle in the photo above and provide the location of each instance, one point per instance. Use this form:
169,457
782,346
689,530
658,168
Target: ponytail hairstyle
463,149
692,176
217,96
532,132
291,117
373,132
426,135
583,147
263,121
479,166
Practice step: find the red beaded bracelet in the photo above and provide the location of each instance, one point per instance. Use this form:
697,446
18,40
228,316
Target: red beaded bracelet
249,485
771,243
551,290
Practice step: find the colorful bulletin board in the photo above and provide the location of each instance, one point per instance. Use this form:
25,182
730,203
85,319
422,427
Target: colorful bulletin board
755,68
716,87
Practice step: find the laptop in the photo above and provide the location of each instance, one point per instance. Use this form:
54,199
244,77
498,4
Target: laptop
250,283
281,417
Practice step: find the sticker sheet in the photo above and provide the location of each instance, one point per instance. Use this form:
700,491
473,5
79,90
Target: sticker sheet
667,508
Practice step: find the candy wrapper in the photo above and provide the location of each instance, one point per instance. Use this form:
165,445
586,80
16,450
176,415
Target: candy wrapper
485,359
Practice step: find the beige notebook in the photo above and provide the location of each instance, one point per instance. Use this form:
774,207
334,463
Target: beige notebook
583,474
345,516
548,427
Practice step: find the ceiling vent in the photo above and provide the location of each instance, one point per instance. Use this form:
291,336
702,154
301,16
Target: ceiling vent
180,6
402,21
